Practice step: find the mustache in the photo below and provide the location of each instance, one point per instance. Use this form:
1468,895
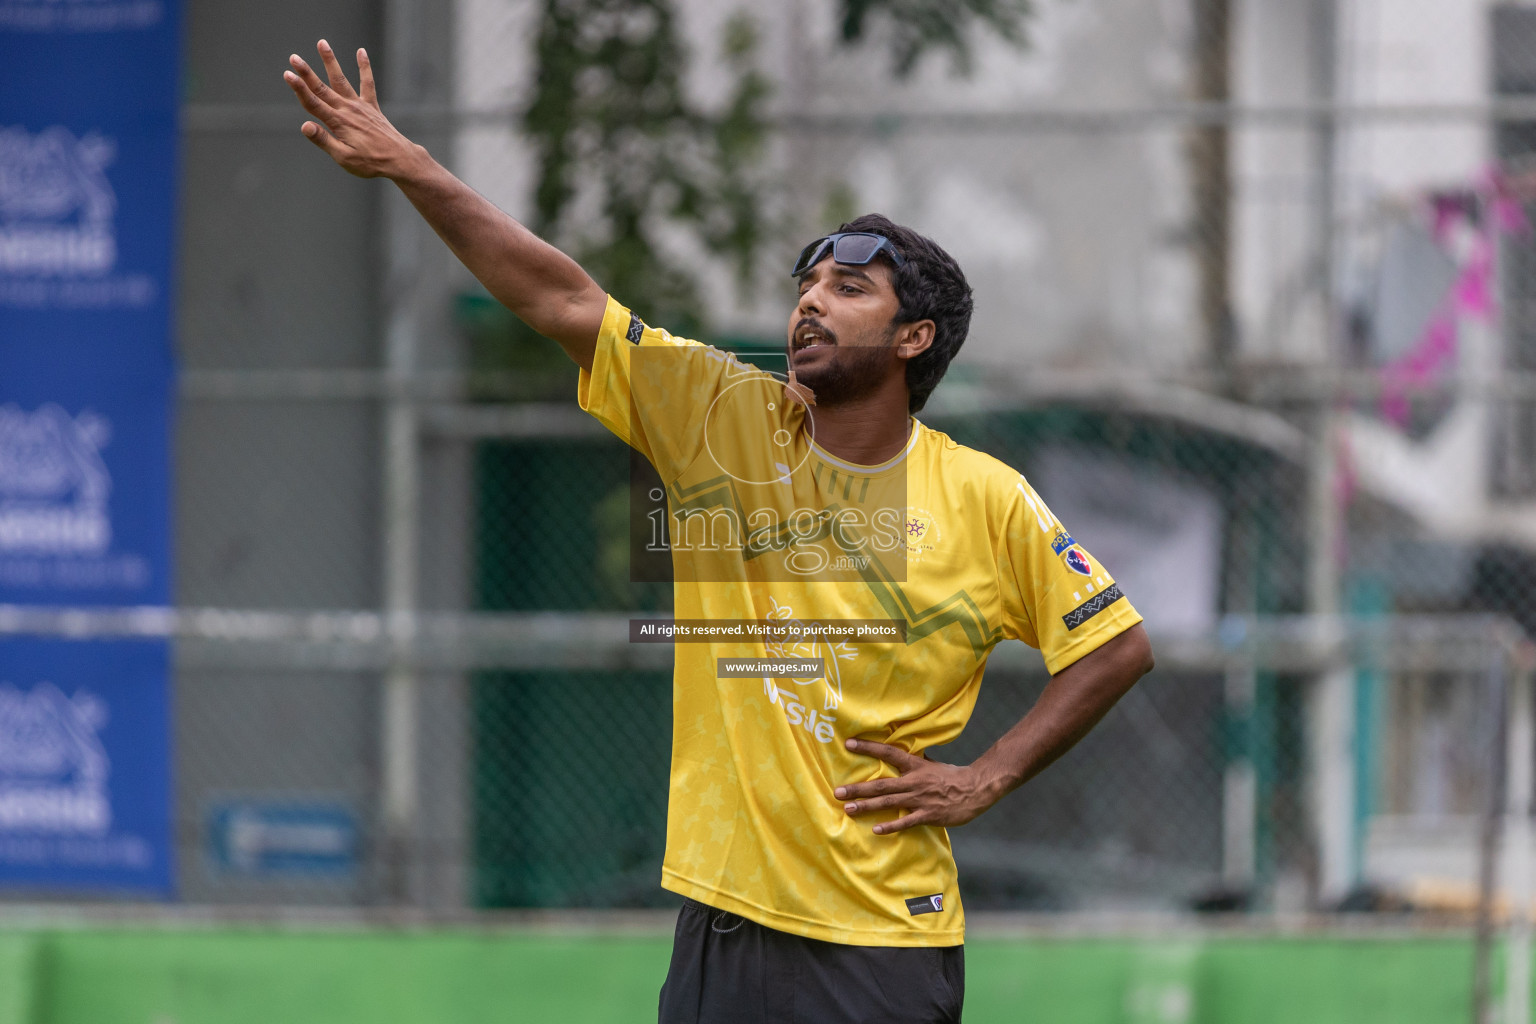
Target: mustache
810,321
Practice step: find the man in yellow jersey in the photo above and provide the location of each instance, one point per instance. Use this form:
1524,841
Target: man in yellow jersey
805,828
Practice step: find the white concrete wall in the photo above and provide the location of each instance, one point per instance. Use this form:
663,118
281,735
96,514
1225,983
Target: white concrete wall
1276,245
494,68
1076,242
1413,51
1386,52
1072,240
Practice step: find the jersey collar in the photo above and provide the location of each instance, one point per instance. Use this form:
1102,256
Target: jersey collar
854,467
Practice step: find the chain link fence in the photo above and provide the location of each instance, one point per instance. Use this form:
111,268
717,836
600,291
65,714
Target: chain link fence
1286,393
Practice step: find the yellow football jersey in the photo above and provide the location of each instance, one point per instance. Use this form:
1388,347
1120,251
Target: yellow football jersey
768,526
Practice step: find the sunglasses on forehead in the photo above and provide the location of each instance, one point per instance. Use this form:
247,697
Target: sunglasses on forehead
850,248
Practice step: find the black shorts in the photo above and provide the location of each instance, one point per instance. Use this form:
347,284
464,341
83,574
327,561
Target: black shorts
728,970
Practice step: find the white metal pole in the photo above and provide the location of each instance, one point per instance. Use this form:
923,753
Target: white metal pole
1522,743
400,487
399,713
1239,805
1331,702
1332,718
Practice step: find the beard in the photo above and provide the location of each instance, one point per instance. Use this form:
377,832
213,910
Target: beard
853,372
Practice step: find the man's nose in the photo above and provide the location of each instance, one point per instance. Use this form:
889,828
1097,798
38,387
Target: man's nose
811,302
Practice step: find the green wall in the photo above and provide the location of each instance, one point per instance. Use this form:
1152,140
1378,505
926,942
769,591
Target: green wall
188,975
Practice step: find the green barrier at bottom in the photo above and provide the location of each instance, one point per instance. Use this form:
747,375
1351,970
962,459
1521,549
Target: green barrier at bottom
18,974
144,976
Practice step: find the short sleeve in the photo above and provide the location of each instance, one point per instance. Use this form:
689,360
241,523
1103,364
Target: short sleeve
653,390
1055,595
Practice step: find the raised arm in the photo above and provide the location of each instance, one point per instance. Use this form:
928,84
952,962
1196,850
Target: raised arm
541,284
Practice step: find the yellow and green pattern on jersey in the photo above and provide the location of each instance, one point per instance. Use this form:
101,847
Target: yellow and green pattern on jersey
973,557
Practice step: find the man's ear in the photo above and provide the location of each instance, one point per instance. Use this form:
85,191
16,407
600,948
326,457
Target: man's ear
914,339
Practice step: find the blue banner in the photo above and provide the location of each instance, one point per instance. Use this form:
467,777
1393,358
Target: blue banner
84,766
88,157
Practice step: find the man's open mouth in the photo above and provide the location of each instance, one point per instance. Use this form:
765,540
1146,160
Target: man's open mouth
810,335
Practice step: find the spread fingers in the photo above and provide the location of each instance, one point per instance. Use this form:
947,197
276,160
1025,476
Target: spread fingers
333,70
324,139
365,77
307,98
306,74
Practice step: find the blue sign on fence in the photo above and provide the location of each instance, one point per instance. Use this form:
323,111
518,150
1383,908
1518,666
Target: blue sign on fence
283,837
88,149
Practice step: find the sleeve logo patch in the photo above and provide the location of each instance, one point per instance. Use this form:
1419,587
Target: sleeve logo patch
636,329
925,904
1061,541
1077,561
1091,607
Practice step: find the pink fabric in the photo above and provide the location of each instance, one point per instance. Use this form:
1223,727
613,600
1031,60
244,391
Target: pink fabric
1472,295
1418,366
1509,215
1506,209
1445,212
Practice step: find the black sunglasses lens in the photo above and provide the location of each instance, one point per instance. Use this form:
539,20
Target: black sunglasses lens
856,250
810,256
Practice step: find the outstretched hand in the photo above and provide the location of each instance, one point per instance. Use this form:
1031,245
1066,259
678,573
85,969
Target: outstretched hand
351,127
928,792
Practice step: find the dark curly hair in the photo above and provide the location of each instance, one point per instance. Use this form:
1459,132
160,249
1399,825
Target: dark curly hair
929,286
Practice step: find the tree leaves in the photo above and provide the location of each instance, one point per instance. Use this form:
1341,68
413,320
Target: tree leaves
625,159
919,26
624,155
